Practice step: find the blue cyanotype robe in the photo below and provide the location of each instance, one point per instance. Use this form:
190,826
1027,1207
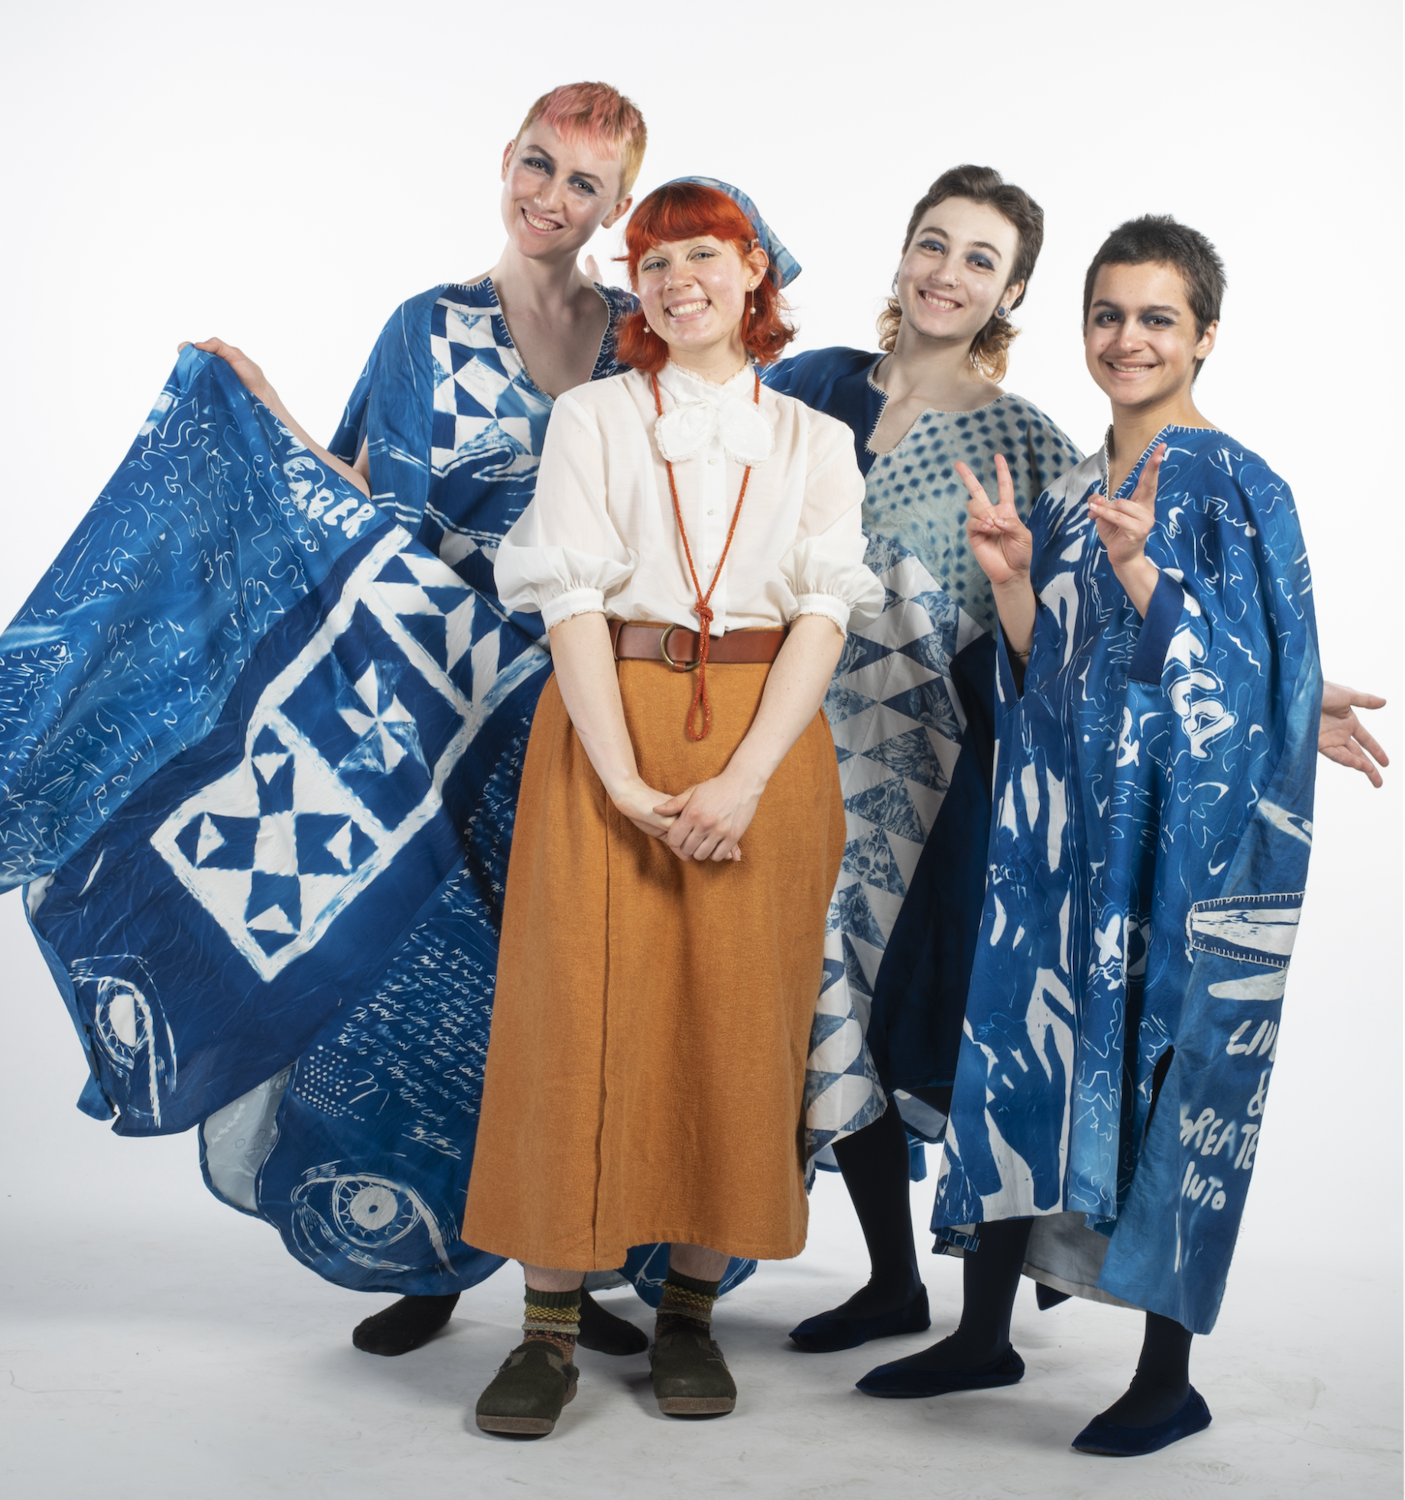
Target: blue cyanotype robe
261,741
912,709
383,1103
1148,856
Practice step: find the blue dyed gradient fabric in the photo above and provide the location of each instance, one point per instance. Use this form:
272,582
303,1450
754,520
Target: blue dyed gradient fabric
1148,857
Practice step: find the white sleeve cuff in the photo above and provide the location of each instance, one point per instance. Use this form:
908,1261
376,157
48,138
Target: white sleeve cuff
575,602
831,606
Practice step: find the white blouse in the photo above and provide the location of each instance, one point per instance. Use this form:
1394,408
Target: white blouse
600,536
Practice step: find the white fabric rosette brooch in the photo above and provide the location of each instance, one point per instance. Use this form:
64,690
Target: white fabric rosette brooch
690,427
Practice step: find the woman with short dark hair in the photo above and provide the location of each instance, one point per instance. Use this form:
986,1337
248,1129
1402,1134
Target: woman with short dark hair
1159,696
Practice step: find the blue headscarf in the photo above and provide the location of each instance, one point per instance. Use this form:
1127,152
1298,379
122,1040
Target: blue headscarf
784,267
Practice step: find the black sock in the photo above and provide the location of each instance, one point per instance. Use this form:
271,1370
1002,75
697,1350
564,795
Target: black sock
404,1325
605,1333
990,1277
874,1164
1162,1382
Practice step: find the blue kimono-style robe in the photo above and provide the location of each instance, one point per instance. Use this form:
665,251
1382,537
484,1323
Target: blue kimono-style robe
1147,861
260,741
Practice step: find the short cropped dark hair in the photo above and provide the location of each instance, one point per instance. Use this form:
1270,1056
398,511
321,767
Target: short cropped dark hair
1159,239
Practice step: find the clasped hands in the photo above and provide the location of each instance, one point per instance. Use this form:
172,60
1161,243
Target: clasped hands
702,822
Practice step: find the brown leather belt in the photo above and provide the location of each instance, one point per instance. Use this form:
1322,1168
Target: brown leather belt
679,647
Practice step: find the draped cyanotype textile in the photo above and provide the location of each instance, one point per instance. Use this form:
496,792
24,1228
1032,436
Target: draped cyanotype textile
248,866
1147,862
261,748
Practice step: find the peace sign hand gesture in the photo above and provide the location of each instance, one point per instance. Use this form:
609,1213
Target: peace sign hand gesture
1005,549
1124,525
1001,541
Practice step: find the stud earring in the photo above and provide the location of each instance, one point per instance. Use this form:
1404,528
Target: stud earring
999,312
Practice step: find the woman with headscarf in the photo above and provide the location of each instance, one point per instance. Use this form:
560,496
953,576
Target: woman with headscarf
696,553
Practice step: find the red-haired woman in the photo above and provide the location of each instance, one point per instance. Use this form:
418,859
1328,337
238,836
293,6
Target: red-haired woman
695,550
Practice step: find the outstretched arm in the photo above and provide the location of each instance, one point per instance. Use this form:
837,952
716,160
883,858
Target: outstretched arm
712,816
1342,736
258,387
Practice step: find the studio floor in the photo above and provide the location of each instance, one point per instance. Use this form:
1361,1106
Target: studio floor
161,1346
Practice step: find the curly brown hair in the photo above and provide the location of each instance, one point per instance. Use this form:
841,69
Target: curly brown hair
990,349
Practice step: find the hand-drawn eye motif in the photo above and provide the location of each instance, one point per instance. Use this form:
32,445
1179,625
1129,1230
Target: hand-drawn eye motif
133,1038
359,1216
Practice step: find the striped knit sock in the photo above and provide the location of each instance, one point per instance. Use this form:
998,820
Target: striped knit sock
686,1303
553,1318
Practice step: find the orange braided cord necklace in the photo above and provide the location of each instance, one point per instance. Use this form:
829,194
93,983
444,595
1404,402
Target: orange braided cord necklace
702,608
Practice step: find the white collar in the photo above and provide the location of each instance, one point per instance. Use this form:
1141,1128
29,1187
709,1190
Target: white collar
704,412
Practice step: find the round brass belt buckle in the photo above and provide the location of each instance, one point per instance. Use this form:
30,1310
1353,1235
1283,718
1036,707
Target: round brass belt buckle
678,666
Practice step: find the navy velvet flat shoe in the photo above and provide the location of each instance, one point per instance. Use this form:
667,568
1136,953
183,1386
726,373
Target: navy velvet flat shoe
904,1377
1115,1441
829,1331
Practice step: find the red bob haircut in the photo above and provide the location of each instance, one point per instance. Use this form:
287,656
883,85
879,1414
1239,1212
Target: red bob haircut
687,211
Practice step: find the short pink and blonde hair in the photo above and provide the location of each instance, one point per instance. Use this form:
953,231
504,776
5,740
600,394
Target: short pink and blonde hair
598,117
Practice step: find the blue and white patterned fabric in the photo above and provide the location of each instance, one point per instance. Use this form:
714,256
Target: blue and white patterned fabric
911,708
262,745
211,530
241,859
1147,863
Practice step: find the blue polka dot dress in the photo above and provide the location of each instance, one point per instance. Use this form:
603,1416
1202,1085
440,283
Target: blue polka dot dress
912,711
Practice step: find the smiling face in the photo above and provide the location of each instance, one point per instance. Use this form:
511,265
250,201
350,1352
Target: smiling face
694,295
956,270
1141,342
555,196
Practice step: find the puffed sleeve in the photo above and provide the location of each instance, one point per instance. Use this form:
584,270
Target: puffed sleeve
825,569
563,554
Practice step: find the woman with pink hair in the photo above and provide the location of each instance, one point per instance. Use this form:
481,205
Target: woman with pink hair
444,429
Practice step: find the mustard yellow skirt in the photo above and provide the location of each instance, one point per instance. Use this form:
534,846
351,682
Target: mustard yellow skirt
646,1067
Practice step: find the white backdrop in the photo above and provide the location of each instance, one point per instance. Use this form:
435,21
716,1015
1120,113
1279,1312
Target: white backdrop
284,173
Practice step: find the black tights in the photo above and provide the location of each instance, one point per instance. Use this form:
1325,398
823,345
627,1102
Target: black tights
874,1164
1162,1382
990,1277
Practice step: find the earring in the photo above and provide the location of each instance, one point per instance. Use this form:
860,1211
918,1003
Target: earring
999,312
